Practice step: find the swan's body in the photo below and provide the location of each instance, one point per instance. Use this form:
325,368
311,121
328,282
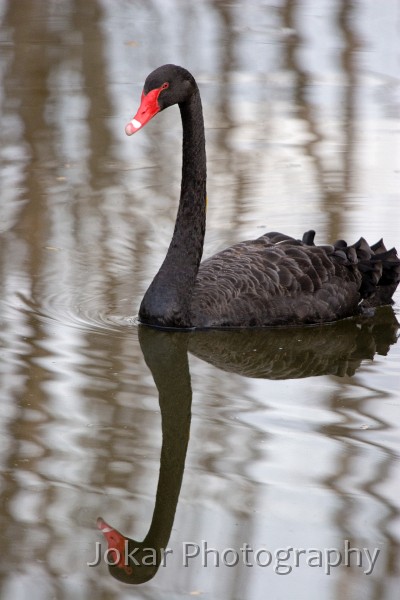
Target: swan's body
273,280
285,282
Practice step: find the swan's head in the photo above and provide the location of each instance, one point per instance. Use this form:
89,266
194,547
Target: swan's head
128,561
164,87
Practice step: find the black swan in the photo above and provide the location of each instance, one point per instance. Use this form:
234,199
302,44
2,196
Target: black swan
273,280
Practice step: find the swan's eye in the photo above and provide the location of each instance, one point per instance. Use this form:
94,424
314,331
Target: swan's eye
165,85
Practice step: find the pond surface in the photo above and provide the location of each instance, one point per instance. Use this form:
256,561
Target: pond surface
280,470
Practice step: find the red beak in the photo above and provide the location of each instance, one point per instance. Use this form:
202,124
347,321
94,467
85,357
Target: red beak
115,539
148,108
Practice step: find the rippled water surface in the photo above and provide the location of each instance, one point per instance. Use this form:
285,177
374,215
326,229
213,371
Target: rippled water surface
290,457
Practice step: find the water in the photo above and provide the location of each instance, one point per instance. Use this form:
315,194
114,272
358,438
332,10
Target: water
293,440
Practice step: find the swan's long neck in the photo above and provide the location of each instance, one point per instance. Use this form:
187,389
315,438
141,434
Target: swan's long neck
167,301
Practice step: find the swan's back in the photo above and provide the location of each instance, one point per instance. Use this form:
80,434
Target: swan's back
277,280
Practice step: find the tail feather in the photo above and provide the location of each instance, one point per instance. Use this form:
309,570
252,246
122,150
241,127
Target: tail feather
380,270
379,267
378,247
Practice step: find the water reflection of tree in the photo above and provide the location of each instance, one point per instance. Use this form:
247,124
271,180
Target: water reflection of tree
352,405
333,186
54,197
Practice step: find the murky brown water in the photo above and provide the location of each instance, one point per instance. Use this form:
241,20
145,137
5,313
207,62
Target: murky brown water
294,441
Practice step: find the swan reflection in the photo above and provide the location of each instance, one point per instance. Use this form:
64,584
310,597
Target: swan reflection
292,353
336,349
